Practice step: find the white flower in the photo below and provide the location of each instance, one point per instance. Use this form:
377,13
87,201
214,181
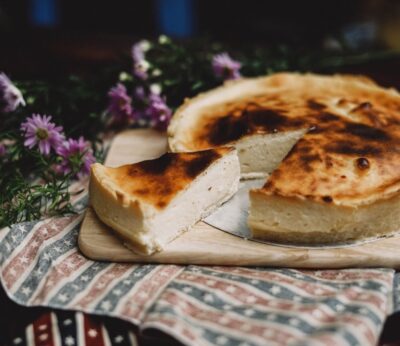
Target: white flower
123,76
155,89
163,39
156,72
10,95
145,45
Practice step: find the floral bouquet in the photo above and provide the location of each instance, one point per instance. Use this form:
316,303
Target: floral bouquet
39,161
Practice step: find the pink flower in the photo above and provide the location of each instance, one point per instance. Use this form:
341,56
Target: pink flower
120,105
225,67
77,156
10,95
39,130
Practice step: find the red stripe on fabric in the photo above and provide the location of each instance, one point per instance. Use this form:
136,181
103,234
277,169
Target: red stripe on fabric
361,322
343,275
305,287
275,277
187,308
146,291
16,267
326,339
43,331
93,335
100,285
258,328
239,292
355,294
331,276
64,269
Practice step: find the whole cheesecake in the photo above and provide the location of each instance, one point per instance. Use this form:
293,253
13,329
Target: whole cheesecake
331,145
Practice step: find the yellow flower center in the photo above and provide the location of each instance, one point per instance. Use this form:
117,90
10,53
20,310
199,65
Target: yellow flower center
42,134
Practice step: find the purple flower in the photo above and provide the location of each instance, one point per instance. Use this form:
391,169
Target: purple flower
225,67
10,95
3,149
140,69
39,130
151,109
77,156
158,112
120,105
140,65
138,50
139,93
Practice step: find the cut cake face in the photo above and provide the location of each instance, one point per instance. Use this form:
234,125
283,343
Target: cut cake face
151,202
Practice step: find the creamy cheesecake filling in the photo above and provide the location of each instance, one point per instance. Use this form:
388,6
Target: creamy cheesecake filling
146,227
296,221
260,155
207,192
331,144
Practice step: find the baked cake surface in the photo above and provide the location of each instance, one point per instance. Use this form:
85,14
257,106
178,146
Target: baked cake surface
338,176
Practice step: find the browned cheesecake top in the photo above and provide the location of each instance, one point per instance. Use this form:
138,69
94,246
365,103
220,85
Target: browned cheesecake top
158,181
350,152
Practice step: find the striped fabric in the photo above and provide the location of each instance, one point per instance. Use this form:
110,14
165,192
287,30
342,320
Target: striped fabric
70,329
40,265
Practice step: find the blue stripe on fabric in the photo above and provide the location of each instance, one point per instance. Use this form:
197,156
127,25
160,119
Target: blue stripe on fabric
44,263
76,286
265,285
212,336
16,234
260,314
123,287
293,274
209,335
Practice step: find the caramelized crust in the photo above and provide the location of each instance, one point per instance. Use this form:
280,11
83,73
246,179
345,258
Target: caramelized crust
350,154
157,181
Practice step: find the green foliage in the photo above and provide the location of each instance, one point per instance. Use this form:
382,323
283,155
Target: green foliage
30,189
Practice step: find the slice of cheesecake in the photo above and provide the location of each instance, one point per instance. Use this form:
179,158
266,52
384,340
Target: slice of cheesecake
150,203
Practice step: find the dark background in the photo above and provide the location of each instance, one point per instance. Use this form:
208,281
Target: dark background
41,38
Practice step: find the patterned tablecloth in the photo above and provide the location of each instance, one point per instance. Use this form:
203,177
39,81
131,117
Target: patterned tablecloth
40,265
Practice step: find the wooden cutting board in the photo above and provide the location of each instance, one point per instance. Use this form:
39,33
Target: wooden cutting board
210,246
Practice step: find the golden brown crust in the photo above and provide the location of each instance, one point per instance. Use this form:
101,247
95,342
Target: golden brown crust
319,238
156,182
351,152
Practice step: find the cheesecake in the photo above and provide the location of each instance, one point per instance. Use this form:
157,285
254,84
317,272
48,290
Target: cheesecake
150,203
330,146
